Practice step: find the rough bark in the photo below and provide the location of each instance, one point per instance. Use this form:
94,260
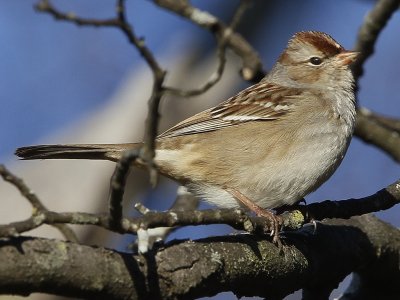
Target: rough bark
245,264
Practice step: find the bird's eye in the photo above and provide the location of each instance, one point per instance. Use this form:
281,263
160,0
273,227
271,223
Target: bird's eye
315,60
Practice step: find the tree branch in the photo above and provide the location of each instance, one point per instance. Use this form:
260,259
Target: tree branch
373,131
368,33
221,49
38,206
235,218
390,123
367,129
117,189
251,62
248,265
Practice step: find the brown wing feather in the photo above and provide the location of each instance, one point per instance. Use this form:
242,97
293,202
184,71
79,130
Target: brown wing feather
260,102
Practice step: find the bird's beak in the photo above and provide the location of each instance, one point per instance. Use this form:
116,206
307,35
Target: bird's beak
346,57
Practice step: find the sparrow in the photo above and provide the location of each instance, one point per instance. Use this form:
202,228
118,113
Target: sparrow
268,146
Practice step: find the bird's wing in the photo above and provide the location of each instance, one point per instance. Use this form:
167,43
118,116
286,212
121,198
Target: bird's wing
260,102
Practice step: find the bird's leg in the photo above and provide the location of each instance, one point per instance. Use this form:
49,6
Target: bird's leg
276,221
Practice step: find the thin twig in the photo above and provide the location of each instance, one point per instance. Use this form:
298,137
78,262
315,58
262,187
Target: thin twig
120,22
147,152
139,43
38,206
212,80
221,51
117,188
369,129
236,218
368,33
252,69
151,124
54,218
344,209
46,7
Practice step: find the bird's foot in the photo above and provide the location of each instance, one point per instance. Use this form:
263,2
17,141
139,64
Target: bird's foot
275,220
276,224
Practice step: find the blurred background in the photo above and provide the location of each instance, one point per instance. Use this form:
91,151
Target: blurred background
60,83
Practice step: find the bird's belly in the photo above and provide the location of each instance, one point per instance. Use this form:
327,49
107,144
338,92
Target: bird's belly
270,182
287,181
280,183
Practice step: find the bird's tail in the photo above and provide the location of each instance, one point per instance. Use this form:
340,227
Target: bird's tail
111,152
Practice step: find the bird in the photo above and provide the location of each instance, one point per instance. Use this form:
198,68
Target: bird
266,147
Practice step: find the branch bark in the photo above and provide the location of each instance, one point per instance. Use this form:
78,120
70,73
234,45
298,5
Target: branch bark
33,199
236,218
246,264
368,33
372,131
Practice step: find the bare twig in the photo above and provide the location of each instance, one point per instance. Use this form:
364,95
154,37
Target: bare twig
213,79
221,49
120,22
373,24
54,218
381,200
235,218
152,119
38,206
251,62
117,188
139,43
47,7
147,151
368,128
22,187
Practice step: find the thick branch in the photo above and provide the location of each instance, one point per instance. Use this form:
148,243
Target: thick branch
246,264
32,265
372,131
388,122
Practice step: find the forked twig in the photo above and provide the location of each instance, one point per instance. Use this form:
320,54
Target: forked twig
38,206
